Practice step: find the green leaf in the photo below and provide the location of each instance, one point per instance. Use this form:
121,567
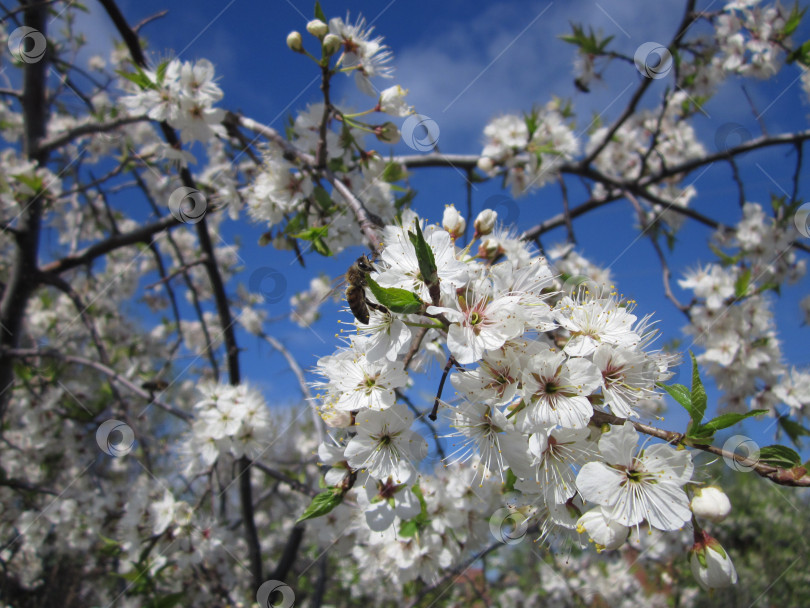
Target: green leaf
322,198
32,181
726,420
511,478
310,234
316,236
139,78
793,20
411,527
321,247
397,300
322,504
742,283
319,14
725,259
794,430
297,223
424,255
699,398
801,54
161,71
408,528
402,201
779,456
394,172
680,394
336,165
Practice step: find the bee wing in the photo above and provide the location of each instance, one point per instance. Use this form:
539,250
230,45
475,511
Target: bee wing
335,293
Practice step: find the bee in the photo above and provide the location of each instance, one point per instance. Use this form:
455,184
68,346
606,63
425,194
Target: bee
359,304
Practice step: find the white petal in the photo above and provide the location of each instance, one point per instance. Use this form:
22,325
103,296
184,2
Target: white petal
379,516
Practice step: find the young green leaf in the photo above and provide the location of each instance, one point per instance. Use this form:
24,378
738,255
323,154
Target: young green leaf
397,300
779,456
726,420
793,429
322,198
424,255
409,528
680,394
742,284
322,504
793,21
316,236
699,398
319,14
394,172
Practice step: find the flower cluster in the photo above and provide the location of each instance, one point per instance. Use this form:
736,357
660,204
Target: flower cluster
529,149
230,420
733,315
182,94
533,366
751,38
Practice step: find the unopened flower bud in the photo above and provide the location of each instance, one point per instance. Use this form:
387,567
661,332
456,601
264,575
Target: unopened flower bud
710,503
331,44
388,133
453,221
295,42
489,249
711,565
485,164
485,222
317,28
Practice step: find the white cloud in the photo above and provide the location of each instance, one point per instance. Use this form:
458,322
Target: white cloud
508,57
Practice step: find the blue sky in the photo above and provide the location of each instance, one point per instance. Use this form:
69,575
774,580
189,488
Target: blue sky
463,64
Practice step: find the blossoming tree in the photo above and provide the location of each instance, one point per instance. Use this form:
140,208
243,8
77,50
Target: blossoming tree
139,466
